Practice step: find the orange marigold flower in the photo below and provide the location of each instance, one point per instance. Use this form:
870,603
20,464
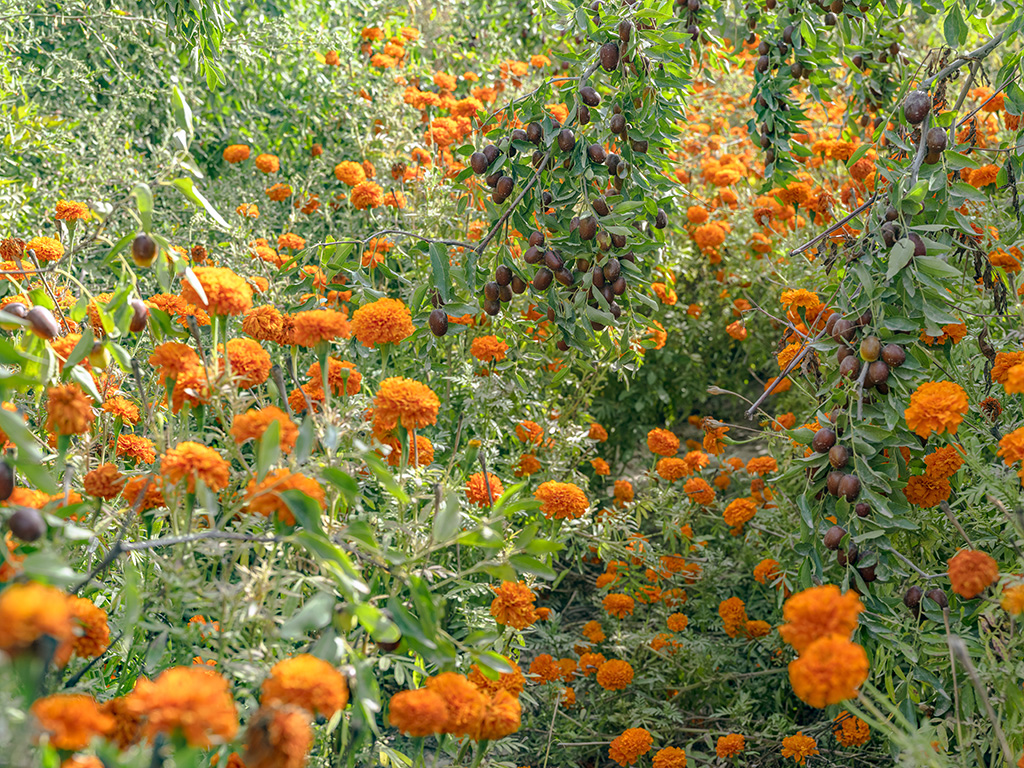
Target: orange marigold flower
68,410
734,616
350,173
529,432
290,241
943,462
476,489
135,447
253,423
513,605
104,482
226,292
597,432
264,497
92,634
278,737
513,682
936,406
45,248
154,498
1012,600
819,611
528,465
194,702
799,748
927,491
29,611
500,718
268,163
236,153
662,442
250,363
672,469
677,622
737,330
319,325
618,605
249,210
761,465
70,720
367,194
385,321
592,629
1011,447
421,454
69,210
614,675
342,376
600,467
171,359
739,512
276,192
1003,363
630,746
730,746
308,682
545,668
849,730
623,492
561,501
670,757
417,713
699,491
829,670
121,406
971,572
405,401
591,662
465,703
488,349
766,571
190,460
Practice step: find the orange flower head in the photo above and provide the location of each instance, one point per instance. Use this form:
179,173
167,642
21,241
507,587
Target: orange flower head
513,682
936,406
730,745
307,682
69,210
597,432
267,163
766,571
104,482
278,737
92,634
319,325
488,349
45,248
699,491
630,746
614,675
670,757
350,173
29,611
465,703
829,670
799,747
68,410
661,442
70,720
226,293
236,153
850,731
592,629
417,713
263,323
618,605
733,613
194,702
190,460
529,432
477,489
250,363
971,572
264,497
385,321
406,402
817,612
561,501
253,423
500,718
513,605
366,194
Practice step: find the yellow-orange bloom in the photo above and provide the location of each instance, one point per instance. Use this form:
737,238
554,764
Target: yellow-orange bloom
267,163
500,718
561,501
630,746
350,173
464,701
417,713
30,611
190,460
367,194
385,321
68,410
278,737
264,497
308,682
936,406
488,349
69,210
829,670
70,720
236,153
799,747
618,605
483,492
817,612
249,362
45,248
194,702
406,402
849,730
662,442
614,675
226,292
971,572
319,325
730,746
253,423
513,605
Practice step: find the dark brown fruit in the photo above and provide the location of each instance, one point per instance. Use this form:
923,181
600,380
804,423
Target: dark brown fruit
503,275
891,214
870,349
823,440
542,279
838,456
613,164
27,524
619,286
564,276
536,239
842,331
832,482
143,250
609,55
561,346
566,140
640,146
596,153
505,186
438,322
583,114
504,294
140,316
588,228
534,133
532,255
491,291
935,140
491,153
661,219
600,206
604,240
849,487
553,261
42,323
850,367
619,241
831,323
590,96
848,556
912,599
878,373
894,355
492,180
833,537
518,134
862,509
625,29
888,235
617,124
389,647
916,107
17,309
867,572
938,597
478,162
612,269
762,64
492,307
518,284
920,249
6,481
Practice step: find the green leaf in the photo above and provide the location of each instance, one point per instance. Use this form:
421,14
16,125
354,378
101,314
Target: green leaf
439,266
269,449
954,27
900,255
84,379
446,521
306,510
386,478
527,564
14,426
314,615
189,190
333,560
182,112
144,201
81,349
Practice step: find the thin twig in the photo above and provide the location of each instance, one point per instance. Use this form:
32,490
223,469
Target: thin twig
957,646
835,227
792,364
170,541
